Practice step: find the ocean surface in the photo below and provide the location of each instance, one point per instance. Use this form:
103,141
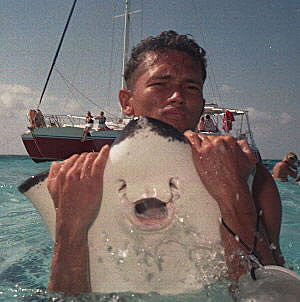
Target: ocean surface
25,245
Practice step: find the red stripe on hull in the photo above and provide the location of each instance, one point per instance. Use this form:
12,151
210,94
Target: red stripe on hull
47,149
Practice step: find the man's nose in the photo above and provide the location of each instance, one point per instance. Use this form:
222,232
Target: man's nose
177,96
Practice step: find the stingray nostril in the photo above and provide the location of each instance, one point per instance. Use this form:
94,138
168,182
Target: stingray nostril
122,185
173,183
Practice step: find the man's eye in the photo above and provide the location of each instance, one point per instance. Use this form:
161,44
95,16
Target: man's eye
158,84
194,87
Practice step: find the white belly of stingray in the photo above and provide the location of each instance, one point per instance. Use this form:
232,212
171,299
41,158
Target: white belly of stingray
170,249
157,229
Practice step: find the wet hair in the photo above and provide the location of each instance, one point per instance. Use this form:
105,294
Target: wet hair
291,156
167,40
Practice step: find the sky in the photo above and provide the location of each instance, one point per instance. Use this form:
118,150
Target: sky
253,50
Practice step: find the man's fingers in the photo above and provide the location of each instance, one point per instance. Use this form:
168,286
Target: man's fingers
100,161
194,139
87,164
54,169
62,167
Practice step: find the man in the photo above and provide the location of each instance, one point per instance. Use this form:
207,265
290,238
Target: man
165,78
286,167
209,124
102,121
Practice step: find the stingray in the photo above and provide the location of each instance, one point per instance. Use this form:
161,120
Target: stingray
158,227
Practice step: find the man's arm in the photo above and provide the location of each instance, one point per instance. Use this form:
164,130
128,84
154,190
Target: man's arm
224,165
267,198
293,171
76,188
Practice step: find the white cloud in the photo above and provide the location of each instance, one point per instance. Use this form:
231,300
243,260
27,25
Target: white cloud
285,118
259,115
226,88
15,102
15,97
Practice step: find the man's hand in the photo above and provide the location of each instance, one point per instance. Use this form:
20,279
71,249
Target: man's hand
223,164
76,188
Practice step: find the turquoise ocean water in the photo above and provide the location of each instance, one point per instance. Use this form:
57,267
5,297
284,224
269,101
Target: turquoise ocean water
25,246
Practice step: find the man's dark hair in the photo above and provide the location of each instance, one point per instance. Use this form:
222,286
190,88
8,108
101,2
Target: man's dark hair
165,41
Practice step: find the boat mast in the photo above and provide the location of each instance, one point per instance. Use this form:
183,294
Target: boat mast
249,130
125,39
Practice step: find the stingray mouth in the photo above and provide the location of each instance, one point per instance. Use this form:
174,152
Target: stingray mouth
152,213
151,208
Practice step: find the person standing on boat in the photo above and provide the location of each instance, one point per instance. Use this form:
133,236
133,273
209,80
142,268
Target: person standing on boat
89,122
201,125
285,168
165,77
209,124
102,121
227,120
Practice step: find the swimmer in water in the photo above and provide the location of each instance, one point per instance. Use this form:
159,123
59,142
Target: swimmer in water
285,168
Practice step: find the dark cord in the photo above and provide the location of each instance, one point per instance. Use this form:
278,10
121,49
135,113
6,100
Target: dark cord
254,256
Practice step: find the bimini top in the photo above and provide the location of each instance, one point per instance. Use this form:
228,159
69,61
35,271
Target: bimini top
215,109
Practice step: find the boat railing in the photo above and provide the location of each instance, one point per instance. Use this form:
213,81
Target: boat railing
68,120
63,120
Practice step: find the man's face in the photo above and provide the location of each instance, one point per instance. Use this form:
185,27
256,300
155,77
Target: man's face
167,87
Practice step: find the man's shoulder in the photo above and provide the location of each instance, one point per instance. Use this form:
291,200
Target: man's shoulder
282,164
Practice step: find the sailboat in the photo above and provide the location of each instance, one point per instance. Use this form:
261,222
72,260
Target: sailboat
57,137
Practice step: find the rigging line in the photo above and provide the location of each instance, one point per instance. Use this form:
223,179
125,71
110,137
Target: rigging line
67,83
218,94
76,89
57,52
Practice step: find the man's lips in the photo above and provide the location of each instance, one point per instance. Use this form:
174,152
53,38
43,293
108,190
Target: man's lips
174,112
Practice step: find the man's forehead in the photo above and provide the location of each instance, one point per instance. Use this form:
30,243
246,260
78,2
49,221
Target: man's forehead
152,57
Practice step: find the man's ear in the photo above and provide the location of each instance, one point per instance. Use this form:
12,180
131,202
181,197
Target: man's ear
125,102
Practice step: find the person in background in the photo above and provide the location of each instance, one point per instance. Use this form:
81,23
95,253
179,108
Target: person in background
32,118
209,124
285,168
164,78
89,122
102,121
201,125
40,119
227,120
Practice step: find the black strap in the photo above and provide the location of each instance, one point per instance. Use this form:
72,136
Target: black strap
254,256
